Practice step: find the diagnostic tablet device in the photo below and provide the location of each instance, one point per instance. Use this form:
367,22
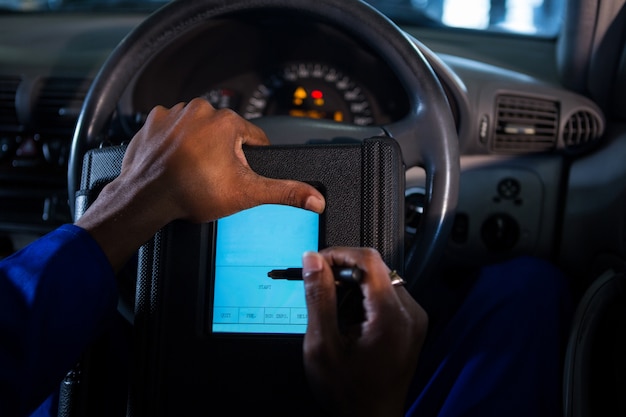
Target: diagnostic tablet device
248,245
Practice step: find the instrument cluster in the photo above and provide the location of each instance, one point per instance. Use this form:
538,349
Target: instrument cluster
272,69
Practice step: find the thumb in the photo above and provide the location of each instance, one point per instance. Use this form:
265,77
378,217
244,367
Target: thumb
320,295
290,193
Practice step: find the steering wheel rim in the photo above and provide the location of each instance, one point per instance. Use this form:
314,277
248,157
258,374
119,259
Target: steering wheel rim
427,135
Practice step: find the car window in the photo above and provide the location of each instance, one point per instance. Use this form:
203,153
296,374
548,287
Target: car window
529,17
540,18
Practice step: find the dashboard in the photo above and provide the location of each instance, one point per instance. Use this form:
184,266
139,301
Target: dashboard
516,131
541,167
270,67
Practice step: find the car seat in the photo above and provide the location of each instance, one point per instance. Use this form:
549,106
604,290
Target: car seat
595,361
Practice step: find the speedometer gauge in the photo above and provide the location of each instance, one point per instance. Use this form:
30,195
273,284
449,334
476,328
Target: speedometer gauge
311,90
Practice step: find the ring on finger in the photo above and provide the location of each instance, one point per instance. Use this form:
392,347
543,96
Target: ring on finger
396,280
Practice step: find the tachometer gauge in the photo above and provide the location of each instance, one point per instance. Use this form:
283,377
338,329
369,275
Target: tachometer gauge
311,90
222,98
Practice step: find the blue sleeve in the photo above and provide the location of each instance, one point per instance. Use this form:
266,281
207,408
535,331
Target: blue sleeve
56,295
500,353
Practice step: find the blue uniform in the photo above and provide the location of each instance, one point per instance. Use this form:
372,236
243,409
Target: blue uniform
497,351
56,295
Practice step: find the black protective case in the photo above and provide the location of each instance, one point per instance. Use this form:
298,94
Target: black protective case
178,367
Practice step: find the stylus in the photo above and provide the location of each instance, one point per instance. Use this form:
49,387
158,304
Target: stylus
343,275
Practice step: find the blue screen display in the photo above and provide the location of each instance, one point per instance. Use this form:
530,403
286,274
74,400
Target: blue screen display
248,245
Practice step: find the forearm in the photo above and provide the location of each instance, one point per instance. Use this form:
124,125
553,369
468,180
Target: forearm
55,297
122,219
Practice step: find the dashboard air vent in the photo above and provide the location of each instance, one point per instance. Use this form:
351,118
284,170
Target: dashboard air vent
59,102
582,128
8,92
525,124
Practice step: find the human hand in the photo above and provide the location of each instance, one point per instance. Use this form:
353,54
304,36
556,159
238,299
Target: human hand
186,162
364,372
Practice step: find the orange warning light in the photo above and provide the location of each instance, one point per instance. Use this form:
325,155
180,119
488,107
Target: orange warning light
298,96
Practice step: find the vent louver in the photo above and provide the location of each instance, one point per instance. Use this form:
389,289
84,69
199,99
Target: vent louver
8,92
582,128
525,124
59,102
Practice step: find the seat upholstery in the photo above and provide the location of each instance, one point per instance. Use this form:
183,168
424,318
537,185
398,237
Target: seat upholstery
595,362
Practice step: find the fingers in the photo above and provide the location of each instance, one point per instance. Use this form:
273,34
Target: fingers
376,272
381,298
256,188
376,363
255,136
319,290
287,192
262,190
193,156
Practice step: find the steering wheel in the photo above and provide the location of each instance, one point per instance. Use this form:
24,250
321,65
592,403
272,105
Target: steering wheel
427,134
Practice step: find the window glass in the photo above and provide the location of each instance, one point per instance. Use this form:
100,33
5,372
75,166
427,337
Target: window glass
529,17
